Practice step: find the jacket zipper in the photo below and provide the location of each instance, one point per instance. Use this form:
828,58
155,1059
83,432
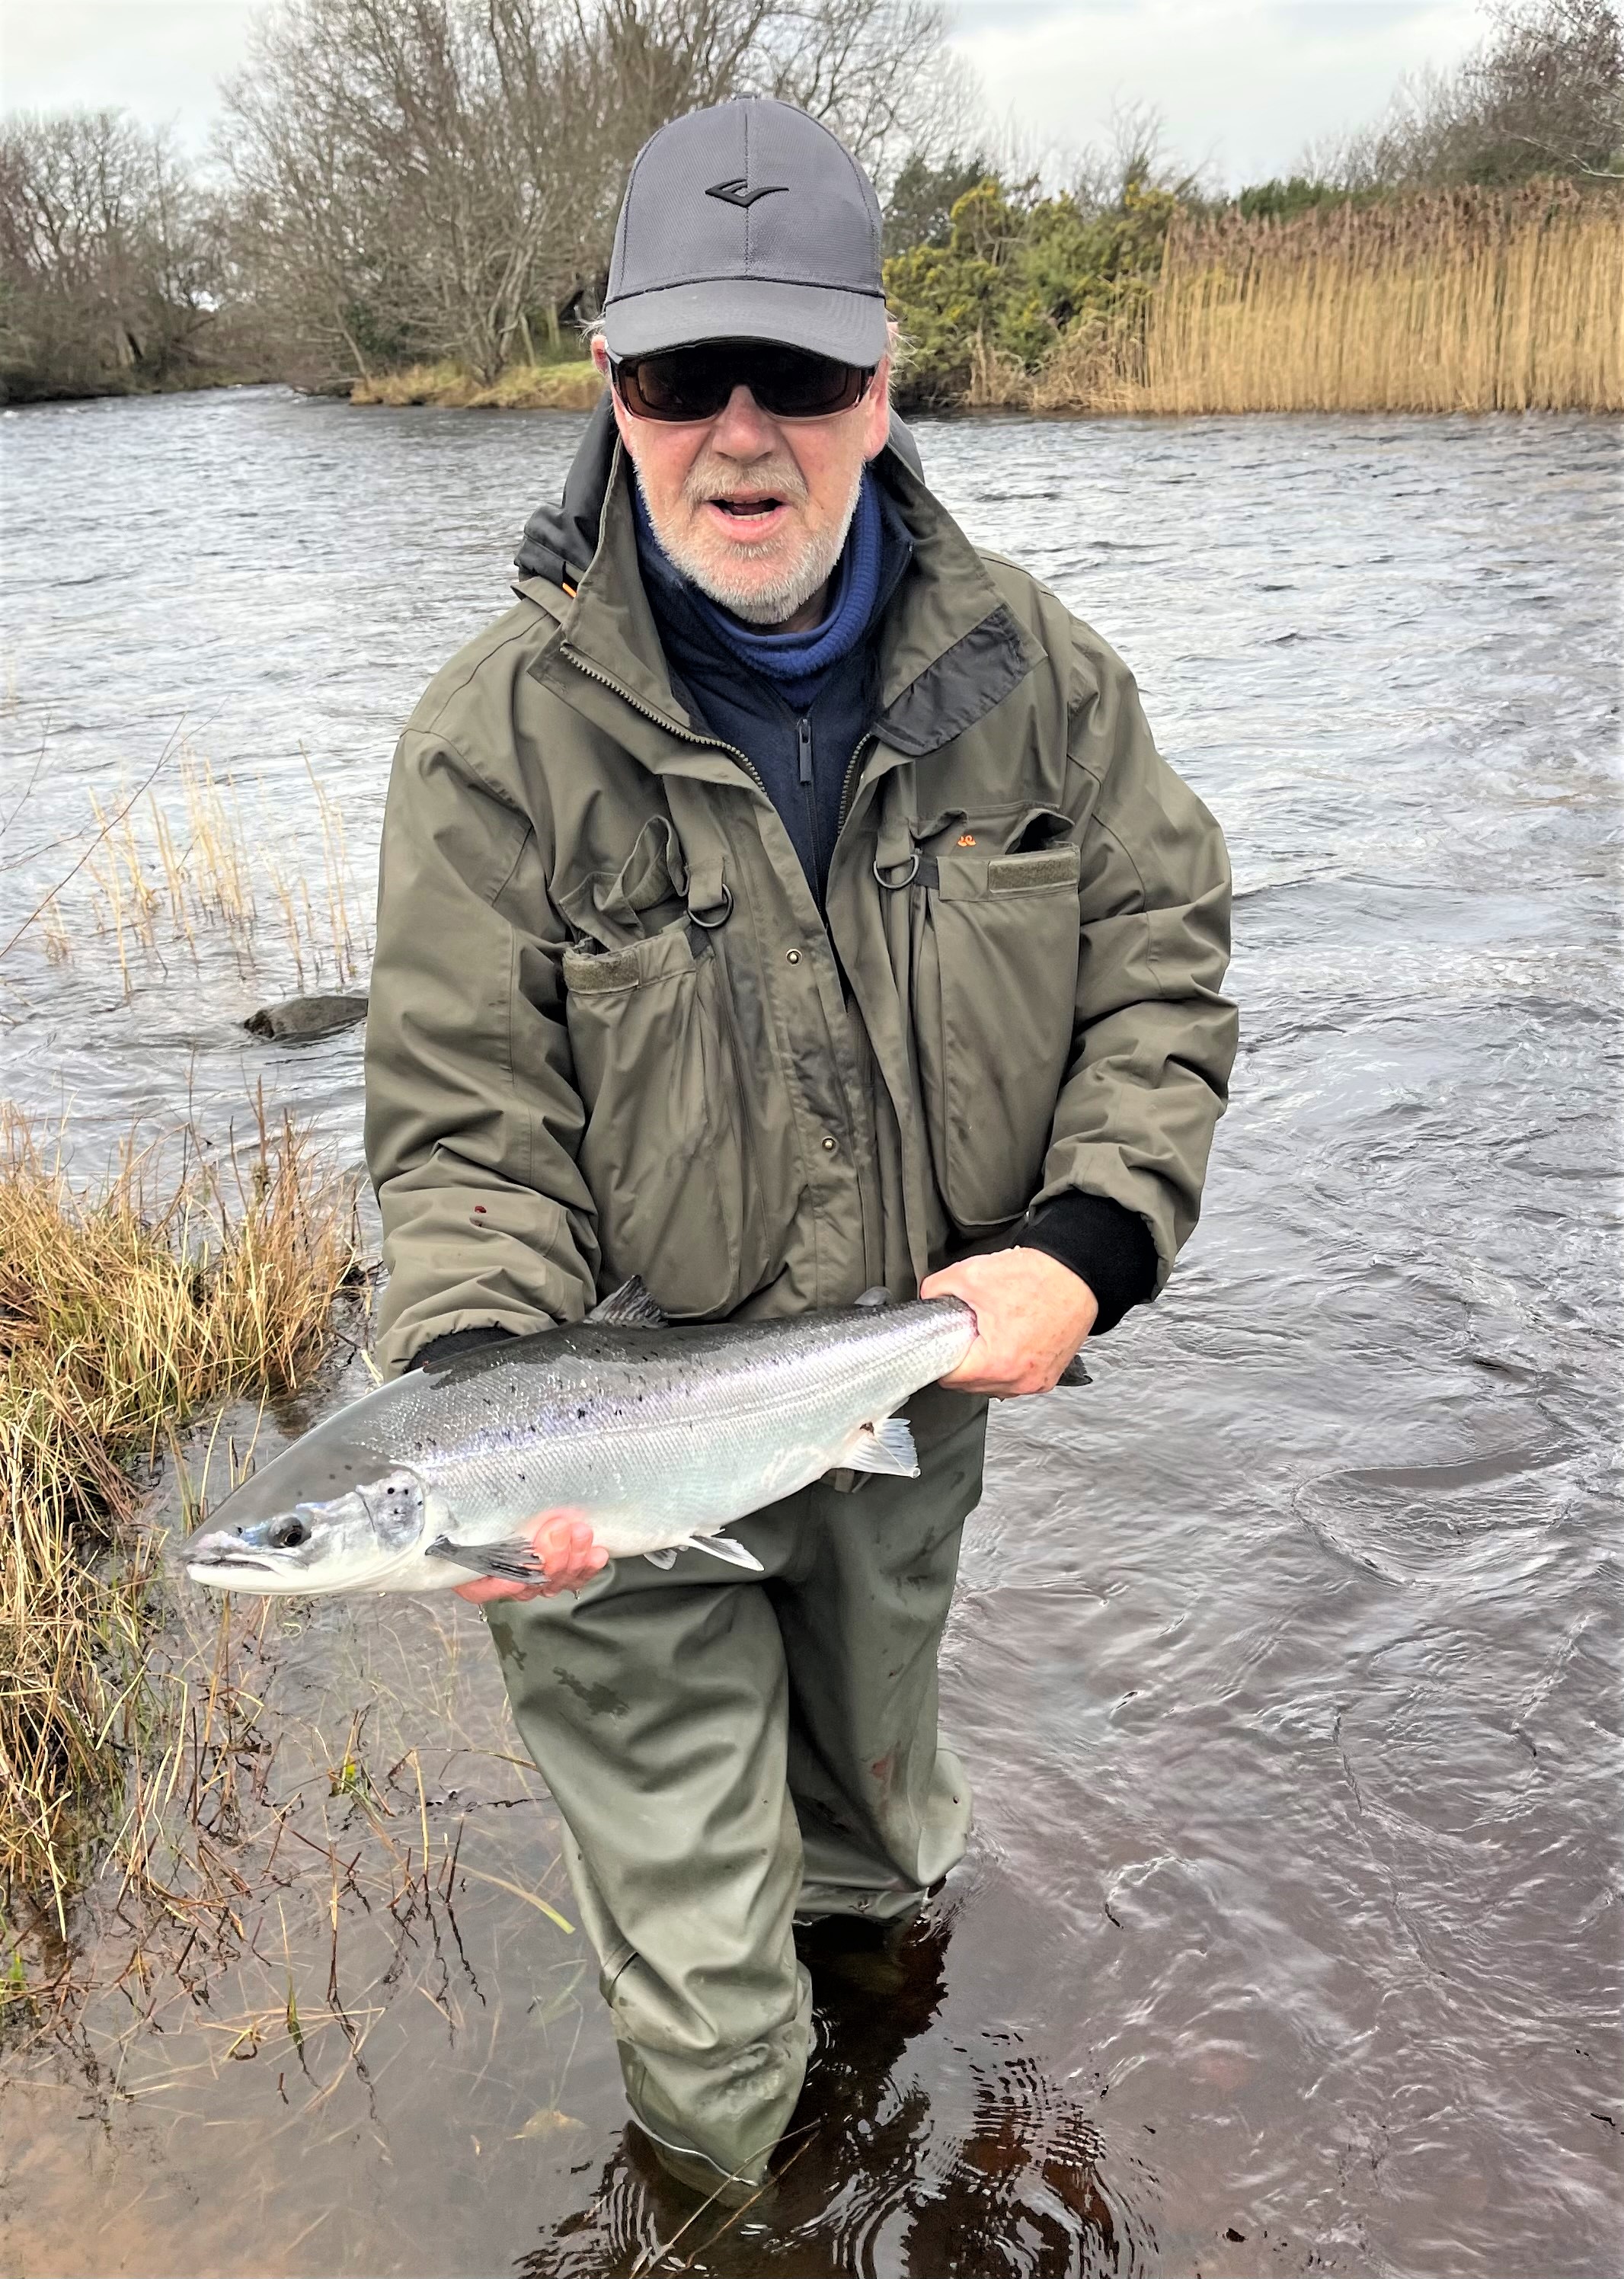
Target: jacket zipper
853,768
662,721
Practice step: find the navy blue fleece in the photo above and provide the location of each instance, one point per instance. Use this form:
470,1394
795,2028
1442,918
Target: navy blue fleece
797,705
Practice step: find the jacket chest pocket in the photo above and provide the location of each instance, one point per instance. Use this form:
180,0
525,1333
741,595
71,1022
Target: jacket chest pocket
666,1150
994,948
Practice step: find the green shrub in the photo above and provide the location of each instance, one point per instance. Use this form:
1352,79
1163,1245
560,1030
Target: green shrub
1017,272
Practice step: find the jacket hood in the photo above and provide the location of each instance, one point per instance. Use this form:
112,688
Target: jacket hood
560,540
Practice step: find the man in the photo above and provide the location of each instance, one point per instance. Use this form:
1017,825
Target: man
783,899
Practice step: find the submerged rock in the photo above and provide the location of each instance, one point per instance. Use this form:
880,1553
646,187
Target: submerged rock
299,1020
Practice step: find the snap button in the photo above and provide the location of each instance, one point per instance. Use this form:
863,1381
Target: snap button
792,957
830,1143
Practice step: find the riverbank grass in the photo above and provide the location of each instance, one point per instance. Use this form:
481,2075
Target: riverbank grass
122,1311
521,388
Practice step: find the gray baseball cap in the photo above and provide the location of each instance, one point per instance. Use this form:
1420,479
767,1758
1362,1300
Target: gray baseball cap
748,221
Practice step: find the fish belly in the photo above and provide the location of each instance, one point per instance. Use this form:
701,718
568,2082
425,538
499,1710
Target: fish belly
647,1491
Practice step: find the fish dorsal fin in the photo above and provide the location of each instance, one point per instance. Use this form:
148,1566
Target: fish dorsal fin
1074,1372
877,1296
885,1447
629,1308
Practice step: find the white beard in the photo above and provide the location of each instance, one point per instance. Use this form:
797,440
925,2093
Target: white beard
793,585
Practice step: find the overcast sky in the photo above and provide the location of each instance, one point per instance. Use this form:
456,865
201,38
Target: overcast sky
1242,84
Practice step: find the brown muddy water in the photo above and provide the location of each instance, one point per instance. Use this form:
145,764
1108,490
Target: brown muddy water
1285,1659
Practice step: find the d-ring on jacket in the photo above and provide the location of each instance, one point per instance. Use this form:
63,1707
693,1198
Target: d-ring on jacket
610,1033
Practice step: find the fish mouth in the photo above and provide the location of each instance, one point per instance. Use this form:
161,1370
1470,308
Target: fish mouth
215,1562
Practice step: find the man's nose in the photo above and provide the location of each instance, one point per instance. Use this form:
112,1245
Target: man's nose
742,429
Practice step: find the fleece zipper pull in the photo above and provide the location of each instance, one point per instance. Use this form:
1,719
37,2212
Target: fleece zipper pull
803,740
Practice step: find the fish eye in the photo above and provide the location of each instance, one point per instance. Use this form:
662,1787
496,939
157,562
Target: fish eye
288,1534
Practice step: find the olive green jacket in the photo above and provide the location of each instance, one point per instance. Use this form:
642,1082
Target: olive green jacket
609,1032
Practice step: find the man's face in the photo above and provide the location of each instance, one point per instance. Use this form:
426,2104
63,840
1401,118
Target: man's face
753,509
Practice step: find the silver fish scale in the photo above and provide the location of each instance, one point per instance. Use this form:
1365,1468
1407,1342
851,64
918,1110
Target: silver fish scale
658,1434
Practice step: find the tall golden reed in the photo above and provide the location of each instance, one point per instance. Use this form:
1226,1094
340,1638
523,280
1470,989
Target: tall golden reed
121,1312
1457,301
206,873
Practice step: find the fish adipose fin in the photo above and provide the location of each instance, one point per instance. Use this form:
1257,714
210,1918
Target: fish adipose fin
513,1562
724,1548
630,1308
1074,1372
877,1296
887,1447
660,1558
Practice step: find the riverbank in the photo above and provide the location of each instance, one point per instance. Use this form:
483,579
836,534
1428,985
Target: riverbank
1453,301
521,388
124,1310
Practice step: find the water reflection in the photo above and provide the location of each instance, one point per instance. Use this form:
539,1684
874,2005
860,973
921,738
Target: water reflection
870,2178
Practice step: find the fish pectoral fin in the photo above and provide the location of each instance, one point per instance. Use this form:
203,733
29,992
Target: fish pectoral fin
512,1561
630,1308
660,1558
885,1447
723,1547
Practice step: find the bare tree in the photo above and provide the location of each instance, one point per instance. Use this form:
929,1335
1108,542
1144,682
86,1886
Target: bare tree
108,268
1136,155
396,192
435,177
878,73
1544,94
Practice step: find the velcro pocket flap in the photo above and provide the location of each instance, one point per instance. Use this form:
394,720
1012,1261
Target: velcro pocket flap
966,877
1016,874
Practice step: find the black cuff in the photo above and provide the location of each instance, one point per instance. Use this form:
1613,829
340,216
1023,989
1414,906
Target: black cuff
452,1342
1109,1246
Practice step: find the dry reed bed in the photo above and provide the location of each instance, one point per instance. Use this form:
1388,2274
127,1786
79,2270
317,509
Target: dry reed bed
167,872
1465,301
121,1313
521,388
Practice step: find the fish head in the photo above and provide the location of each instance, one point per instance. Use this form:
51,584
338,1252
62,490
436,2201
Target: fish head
355,1528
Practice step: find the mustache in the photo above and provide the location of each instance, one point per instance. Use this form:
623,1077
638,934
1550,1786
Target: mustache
718,477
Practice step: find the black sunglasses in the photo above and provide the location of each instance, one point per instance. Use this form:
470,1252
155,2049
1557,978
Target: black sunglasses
696,383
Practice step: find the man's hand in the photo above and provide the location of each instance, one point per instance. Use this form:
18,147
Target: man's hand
562,1542
1031,1316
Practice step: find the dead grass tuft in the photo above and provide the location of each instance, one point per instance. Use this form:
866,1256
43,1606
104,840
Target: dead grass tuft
121,1313
520,388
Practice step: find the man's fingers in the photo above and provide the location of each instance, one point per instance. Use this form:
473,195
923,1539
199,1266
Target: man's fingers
564,1543
586,1560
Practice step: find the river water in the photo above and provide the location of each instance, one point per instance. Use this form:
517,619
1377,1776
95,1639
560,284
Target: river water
1285,1659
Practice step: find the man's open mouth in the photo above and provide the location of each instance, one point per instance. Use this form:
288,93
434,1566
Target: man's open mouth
746,508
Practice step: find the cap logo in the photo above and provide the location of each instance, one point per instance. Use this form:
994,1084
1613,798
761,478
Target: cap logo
733,193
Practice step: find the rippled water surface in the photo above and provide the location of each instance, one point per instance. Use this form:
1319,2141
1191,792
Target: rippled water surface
1285,1659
